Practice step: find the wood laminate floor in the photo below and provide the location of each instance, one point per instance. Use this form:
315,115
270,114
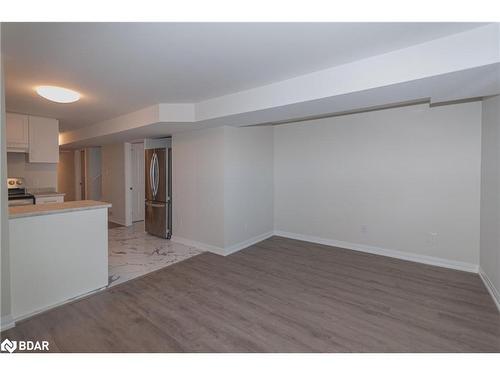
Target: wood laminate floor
112,225
280,295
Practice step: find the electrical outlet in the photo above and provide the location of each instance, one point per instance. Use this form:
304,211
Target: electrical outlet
432,239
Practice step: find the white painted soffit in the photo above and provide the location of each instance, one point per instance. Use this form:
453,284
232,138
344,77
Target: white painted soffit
455,67
451,87
470,49
163,112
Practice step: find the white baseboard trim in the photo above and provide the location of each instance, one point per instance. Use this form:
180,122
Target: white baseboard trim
490,287
117,221
219,250
6,322
57,304
425,259
243,245
199,245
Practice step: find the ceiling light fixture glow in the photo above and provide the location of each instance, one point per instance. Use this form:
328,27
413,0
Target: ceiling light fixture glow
58,94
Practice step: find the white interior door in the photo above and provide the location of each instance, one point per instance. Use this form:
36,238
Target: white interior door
137,174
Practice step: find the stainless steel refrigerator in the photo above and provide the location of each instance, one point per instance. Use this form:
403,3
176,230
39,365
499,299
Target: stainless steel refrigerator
158,209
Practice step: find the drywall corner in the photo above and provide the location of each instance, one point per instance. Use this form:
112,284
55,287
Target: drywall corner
490,192
248,185
198,186
490,287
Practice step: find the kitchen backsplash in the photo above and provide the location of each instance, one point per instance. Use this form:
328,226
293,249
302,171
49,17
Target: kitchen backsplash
37,175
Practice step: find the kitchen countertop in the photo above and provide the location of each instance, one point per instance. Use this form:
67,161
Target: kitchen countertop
48,194
45,192
54,208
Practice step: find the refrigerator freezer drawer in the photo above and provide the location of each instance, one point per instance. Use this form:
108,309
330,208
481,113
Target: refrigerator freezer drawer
156,215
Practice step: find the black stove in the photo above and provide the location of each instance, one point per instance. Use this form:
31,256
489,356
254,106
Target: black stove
18,195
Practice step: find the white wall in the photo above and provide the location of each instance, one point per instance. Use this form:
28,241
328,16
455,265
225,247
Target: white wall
5,300
37,175
248,184
198,186
387,179
490,193
114,189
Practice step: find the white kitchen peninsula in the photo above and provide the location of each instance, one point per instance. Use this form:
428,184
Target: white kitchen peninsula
58,251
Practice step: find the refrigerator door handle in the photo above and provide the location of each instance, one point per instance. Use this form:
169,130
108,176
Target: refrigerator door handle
153,174
151,184
156,174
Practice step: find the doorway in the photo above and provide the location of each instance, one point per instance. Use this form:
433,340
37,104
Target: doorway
80,174
83,193
87,171
66,174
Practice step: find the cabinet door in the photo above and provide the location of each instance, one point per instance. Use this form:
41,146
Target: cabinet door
43,140
17,132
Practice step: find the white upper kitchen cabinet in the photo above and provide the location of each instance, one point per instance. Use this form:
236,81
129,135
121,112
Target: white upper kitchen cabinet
43,140
17,132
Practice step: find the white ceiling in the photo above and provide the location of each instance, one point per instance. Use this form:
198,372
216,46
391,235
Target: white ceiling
122,67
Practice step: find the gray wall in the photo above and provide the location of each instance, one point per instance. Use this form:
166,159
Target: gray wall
490,192
223,185
198,186
387,179
94,176
113,187
248,183
4,221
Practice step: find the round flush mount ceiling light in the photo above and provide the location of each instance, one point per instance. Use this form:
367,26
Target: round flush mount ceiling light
58,94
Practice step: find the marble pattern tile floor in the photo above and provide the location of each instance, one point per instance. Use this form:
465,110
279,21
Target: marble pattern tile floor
133,253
